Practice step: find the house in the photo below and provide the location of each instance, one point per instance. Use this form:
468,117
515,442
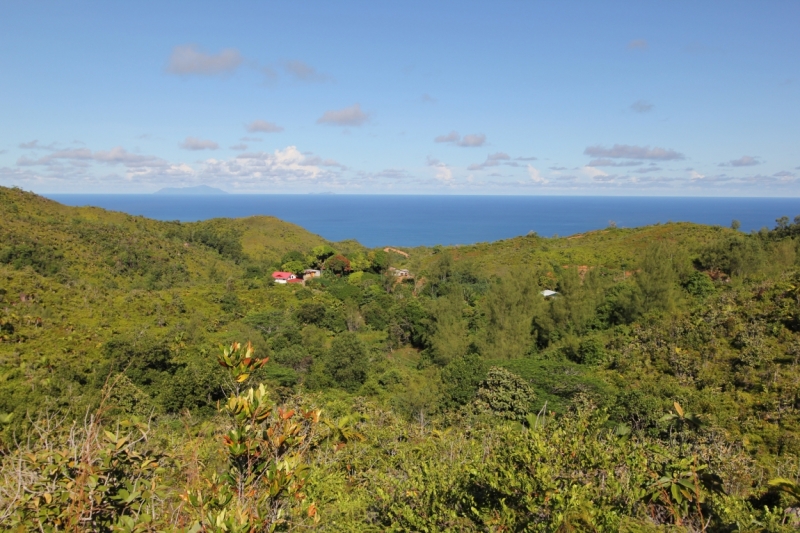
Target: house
311,273
547,293
400,272
283,277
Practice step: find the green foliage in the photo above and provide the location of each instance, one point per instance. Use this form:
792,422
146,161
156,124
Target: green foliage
657,281
699,284
42,258
83,478
379,261
266,444
461,378
589,351
345,364
739,255
129,321
338,265
504,394
226,242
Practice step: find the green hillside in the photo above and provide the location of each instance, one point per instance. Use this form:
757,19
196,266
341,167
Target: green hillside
658,390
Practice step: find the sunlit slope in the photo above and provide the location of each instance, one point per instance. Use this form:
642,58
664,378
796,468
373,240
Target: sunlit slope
612,248
264,238
92,242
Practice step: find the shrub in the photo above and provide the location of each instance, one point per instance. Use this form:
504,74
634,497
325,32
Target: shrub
505,394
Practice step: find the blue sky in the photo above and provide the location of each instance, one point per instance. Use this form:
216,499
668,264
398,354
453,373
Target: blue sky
608,98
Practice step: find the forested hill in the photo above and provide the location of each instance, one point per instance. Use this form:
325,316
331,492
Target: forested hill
657,390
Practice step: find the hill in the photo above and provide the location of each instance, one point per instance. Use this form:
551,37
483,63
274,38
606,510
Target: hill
658,388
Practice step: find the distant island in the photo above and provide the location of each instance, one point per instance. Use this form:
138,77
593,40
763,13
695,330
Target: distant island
199,189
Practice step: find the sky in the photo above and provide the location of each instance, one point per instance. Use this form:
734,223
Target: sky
517,97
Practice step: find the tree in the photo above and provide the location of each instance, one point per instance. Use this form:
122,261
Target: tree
266,448
338,264
658,280
380,261
461,378
505,394
295,267
359,262
320,253
508,309
735,225
449,337
346,362
293,255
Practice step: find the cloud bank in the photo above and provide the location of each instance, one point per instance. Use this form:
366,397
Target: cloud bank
626,151
349,116
472,140
193,143
744,161
263,126
190,59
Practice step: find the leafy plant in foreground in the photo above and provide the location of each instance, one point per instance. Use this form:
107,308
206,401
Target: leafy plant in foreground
266,447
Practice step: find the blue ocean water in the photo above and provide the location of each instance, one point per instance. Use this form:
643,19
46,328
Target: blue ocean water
429,220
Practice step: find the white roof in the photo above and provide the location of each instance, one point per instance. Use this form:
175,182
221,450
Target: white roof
548,292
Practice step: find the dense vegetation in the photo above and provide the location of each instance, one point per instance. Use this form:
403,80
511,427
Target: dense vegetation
154,378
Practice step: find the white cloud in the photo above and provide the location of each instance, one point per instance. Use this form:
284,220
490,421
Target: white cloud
535,175
611,163
694,175
593,172
190,59
443,172
303,72
239,147
472,140
116,155
287,165
642,106
638,44
349,116
193,143
263,126
627,151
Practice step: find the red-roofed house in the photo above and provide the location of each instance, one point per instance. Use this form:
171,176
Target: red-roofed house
283,277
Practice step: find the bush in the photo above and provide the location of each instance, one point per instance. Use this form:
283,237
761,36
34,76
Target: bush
699,284
505,394
43,259
346,362
461,378
338,264
588,352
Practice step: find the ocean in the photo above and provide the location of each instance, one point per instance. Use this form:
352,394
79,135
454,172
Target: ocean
429,220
